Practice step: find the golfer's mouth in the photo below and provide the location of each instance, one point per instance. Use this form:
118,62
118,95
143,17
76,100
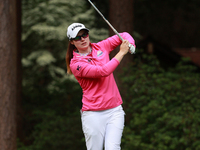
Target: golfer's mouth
84,43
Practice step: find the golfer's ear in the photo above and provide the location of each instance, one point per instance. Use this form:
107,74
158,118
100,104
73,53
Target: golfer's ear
72,42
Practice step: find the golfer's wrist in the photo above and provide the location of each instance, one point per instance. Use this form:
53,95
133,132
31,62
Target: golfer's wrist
119,56
122,52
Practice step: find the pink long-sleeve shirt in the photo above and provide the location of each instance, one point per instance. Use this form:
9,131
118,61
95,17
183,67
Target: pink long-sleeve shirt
94,73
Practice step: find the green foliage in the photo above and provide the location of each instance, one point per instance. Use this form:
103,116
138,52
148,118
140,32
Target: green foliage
57,132
169,20
162,107
45,25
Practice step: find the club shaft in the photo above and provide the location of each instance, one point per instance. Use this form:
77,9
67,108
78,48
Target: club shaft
115,31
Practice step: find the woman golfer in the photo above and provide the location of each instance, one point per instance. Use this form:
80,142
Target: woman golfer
102,115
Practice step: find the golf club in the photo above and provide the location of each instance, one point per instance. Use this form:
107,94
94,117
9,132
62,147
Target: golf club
131,47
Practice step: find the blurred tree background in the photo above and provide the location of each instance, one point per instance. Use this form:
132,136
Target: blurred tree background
162,106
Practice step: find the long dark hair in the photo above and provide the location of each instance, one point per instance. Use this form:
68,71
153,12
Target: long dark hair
69,56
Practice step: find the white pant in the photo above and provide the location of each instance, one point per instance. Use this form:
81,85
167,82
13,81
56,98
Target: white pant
103,128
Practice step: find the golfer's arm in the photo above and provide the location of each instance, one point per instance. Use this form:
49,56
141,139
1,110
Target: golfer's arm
119,56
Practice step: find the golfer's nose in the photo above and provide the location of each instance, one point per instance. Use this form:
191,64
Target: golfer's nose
82,38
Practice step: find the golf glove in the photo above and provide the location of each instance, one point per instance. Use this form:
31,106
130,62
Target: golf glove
131,49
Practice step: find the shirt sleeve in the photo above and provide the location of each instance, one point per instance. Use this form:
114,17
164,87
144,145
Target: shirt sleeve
87,70
112,42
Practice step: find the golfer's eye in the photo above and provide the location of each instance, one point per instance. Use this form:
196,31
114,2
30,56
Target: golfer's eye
84,35
77,38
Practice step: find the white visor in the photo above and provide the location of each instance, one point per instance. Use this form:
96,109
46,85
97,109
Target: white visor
74,28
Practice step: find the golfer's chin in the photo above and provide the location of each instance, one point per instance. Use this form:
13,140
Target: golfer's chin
84,47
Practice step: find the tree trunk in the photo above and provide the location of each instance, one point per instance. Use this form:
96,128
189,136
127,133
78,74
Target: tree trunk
121,17
19,109
9,72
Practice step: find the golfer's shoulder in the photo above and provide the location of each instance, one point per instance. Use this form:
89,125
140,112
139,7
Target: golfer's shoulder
125,34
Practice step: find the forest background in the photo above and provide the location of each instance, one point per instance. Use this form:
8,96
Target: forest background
162,104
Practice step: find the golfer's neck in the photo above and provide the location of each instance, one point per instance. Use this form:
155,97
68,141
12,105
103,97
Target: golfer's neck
85,51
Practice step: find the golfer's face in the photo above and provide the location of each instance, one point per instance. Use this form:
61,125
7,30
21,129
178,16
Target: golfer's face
81,41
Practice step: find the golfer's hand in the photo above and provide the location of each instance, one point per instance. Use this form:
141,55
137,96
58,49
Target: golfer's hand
131,49
124,47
